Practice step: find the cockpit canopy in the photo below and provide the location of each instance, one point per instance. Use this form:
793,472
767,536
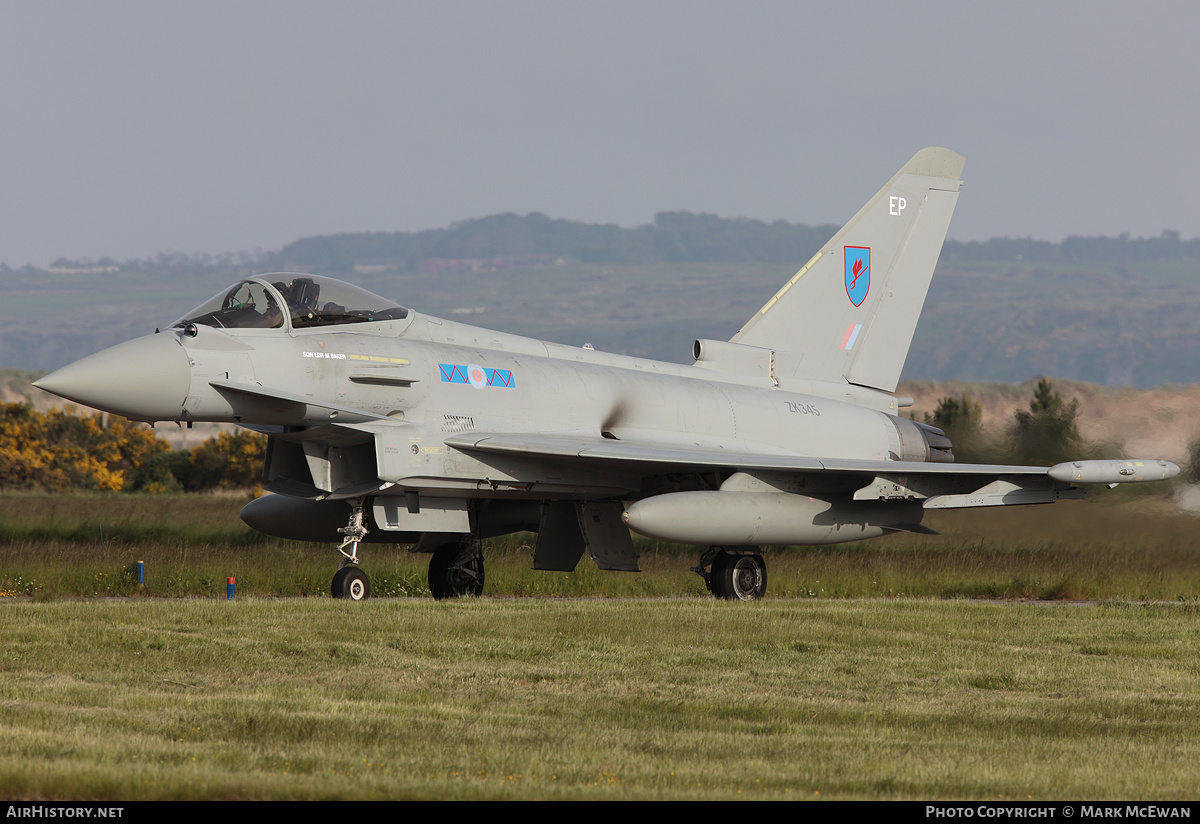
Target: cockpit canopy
303,300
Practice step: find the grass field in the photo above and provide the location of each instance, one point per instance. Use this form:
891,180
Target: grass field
890,669
1112,548
598,699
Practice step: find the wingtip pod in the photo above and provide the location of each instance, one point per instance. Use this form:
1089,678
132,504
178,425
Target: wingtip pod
1113,471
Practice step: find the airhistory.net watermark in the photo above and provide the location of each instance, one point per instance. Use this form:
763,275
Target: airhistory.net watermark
64,811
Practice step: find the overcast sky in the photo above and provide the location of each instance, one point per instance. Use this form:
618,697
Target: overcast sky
131,128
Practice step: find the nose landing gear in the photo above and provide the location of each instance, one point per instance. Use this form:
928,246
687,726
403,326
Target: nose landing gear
350,581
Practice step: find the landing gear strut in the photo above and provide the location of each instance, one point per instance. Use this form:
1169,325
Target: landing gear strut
456,570
738,573
350,581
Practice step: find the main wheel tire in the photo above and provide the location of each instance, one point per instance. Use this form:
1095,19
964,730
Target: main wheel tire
456,571
352,583
737,577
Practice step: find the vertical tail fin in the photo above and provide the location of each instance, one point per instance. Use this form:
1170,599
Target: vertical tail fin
850,312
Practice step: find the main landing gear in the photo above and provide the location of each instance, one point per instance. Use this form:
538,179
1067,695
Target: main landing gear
738,573
456,570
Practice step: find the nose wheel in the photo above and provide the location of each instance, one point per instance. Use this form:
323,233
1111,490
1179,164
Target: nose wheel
352,583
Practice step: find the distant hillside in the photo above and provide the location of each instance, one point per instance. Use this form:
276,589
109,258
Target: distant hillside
1116,311
674,237
16,386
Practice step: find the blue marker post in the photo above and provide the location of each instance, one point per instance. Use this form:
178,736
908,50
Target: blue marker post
229,582
141,573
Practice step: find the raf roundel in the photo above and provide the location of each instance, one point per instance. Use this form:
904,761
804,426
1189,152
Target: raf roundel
476,376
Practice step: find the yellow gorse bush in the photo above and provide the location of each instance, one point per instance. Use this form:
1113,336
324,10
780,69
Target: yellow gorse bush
62,450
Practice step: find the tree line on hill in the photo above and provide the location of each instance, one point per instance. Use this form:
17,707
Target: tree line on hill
673,237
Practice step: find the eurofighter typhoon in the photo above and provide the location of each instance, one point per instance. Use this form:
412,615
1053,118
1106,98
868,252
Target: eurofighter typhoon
386,425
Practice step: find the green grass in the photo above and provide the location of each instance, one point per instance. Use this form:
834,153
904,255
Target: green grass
1116,547
872,670
597,699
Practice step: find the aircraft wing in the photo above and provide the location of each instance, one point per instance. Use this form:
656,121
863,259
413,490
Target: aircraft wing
938,485
701,458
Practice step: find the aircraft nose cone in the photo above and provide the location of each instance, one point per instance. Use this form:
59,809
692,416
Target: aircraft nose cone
146,379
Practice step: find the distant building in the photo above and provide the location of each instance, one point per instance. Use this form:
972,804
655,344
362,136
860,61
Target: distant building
433,266
104,266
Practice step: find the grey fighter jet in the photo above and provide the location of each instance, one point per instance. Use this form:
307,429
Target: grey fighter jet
388,425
